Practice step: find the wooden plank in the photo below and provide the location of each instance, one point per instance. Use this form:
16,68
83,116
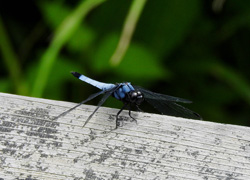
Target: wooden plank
34,146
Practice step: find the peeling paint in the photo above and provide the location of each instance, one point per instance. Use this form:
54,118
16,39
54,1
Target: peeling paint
115,175
90,175
102,158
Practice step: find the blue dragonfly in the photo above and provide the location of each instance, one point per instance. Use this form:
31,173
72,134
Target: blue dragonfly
134,95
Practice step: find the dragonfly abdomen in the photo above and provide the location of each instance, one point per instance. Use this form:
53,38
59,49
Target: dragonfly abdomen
99,85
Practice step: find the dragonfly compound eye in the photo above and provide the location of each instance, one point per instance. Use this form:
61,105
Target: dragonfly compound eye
133,95
139,98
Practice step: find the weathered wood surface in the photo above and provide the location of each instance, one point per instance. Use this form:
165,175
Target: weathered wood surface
32,146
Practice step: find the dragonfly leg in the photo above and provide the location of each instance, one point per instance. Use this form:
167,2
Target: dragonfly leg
129,113
119,112
139,108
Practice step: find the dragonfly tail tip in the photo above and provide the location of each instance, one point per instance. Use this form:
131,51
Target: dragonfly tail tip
76,74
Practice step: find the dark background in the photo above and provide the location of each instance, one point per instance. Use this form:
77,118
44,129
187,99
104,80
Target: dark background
198,50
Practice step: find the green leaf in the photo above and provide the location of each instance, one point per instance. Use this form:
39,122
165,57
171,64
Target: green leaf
168,25
63,67
81,39
139,62
62,35
103,53
233,79
5,85
55,12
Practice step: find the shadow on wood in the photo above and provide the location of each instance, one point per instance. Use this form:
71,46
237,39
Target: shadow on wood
34,146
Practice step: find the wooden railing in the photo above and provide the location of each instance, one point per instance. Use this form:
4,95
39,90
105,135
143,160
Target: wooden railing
33,145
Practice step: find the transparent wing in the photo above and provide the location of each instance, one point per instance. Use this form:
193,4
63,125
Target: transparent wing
92,96
173,109
105,97
167,104
152,95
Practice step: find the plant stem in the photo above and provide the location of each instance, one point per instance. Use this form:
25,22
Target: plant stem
127,32
11,61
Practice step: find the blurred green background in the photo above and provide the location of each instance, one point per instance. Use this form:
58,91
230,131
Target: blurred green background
198,50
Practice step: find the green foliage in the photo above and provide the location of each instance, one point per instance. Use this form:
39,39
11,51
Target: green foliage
180,48
169,25
62,34
137,57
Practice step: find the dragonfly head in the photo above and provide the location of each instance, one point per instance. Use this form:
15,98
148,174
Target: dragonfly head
136,97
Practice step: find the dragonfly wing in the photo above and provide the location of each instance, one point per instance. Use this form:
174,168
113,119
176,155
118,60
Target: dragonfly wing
173,109
168,104
104,98
92,96
157,96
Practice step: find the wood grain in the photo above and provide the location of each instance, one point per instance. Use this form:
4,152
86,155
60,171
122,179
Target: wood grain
34,146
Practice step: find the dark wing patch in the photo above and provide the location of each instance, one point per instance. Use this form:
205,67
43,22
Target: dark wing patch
168,104
173,109
152,95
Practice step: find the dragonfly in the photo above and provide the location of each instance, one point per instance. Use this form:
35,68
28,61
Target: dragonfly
132,95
